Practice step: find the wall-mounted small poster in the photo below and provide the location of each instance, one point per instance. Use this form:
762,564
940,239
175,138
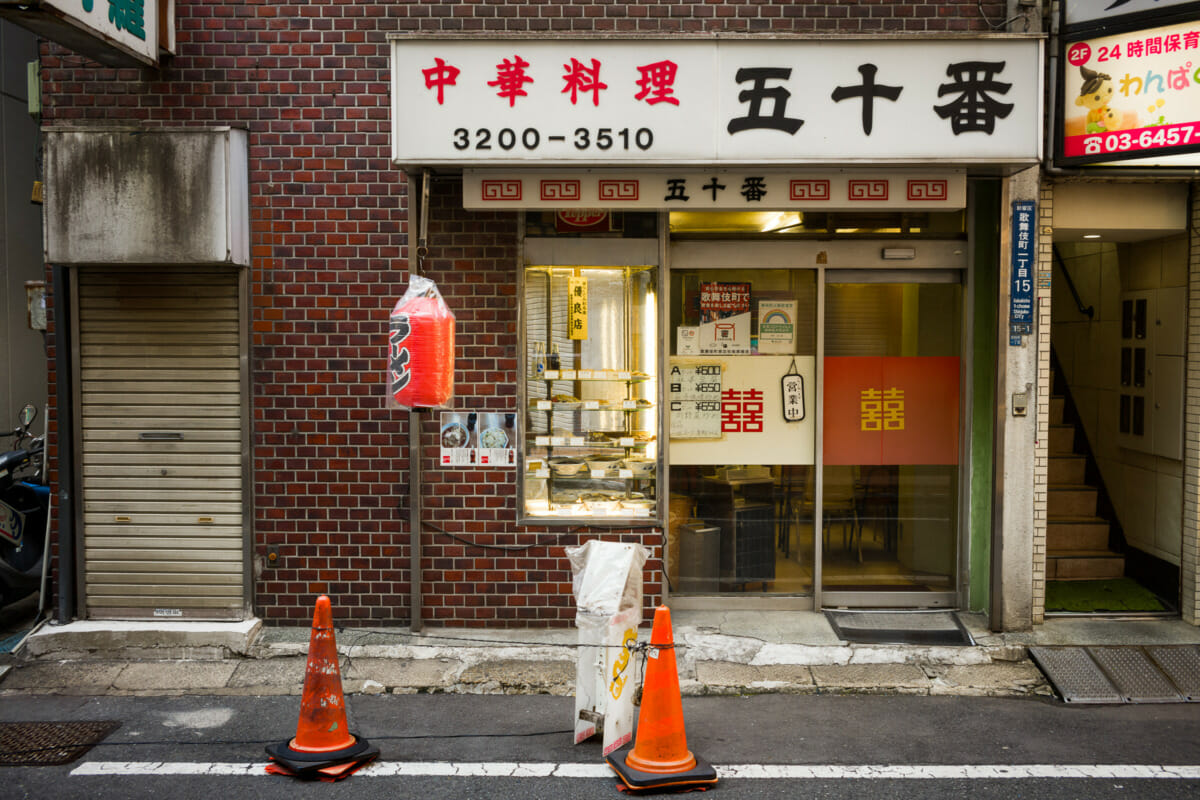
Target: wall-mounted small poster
478,439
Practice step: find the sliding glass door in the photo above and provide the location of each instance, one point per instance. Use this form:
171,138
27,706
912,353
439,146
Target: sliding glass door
890,453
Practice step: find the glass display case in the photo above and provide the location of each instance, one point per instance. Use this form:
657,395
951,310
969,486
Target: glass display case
590,390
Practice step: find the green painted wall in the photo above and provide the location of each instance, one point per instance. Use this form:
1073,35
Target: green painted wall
985,209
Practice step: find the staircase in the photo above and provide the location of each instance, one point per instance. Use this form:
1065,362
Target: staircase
1076,537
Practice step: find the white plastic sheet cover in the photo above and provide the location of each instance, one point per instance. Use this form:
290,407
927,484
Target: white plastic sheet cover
607,576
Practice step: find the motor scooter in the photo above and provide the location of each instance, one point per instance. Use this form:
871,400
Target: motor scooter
24,507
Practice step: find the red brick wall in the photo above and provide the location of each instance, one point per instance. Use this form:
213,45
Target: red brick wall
309,81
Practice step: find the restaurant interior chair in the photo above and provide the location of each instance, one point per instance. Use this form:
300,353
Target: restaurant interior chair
840,506
878,504
790,500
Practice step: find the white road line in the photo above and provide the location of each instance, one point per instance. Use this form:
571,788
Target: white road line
507,769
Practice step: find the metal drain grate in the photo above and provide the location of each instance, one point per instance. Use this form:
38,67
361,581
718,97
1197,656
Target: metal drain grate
1182,666
1076,677
1160,674
1136,677
47,744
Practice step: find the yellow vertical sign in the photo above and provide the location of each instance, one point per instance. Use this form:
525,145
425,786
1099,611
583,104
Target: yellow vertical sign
577,307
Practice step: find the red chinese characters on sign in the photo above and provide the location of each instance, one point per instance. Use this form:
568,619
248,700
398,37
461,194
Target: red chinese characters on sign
717,299
439,77
891,410
657,83
742,411
511,79
582,78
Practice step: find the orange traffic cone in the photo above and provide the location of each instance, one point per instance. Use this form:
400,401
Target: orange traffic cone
659,758
323,746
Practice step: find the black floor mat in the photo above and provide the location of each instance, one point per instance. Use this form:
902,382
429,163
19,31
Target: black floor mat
899,627
47,744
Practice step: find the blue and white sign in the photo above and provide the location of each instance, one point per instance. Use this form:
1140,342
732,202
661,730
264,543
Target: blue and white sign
1020,316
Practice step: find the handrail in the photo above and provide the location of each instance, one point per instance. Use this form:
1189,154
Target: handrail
1058,259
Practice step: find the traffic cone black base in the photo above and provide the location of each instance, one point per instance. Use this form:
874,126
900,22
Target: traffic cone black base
299,762
326,771
700,776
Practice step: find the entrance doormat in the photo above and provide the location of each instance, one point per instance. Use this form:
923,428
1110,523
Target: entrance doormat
49,744
1118,594
899,627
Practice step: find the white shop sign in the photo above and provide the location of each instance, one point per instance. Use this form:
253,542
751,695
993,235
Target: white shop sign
707,101
745,189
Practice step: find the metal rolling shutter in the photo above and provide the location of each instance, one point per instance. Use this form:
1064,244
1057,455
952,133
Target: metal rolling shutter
161,443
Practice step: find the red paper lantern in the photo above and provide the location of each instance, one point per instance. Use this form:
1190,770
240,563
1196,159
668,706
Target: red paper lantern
421,348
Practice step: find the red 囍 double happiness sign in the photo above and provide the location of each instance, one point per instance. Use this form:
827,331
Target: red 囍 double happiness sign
881,410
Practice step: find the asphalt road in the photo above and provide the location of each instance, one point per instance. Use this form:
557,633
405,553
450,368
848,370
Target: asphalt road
430,733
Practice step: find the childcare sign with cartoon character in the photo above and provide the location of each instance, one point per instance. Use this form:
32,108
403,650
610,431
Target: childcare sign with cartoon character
1133,95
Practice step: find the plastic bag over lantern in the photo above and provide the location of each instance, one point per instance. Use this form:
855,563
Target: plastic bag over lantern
421,348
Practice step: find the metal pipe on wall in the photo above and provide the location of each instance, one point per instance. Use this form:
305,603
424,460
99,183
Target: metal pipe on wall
416,253
65,409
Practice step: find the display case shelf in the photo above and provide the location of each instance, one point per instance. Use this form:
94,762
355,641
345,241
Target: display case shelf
599,382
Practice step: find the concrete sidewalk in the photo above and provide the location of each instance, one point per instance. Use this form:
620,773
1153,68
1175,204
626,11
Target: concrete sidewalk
717,653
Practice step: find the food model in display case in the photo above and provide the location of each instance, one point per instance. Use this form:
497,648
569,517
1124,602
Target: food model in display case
590,443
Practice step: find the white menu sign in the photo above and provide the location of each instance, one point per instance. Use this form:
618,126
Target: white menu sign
694,392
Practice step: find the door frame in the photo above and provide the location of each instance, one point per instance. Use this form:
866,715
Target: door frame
939,260
823,598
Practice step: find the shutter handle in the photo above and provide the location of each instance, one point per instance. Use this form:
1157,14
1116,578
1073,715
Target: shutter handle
122,519
160,436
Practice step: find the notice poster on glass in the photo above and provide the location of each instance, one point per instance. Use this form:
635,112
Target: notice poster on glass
724,318
477,439
777,326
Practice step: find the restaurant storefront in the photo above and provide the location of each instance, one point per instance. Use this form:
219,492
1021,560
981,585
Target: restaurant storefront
757,296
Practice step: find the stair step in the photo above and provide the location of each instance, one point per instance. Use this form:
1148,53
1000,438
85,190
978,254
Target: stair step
1084,565
1071,501
1057,404
1062,440
1082,533
1067,469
